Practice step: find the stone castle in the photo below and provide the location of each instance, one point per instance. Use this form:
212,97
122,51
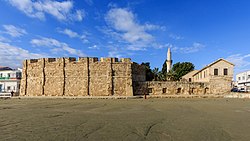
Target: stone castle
82,77
112,77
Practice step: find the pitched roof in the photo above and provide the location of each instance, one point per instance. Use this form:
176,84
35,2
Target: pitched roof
191,73
221,59
5,68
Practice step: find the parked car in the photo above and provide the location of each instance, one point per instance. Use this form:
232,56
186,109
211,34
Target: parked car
234,90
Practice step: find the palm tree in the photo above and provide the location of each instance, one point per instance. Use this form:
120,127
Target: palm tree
171,75
155,72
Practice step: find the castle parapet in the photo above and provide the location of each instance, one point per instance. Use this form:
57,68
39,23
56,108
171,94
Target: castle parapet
126,60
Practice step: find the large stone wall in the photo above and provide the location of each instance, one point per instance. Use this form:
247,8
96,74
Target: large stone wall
82,77
220,84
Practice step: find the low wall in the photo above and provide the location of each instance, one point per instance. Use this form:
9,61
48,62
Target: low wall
170,88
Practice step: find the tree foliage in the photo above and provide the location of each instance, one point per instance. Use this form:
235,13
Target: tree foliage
181,69
164,68
178,70
149,73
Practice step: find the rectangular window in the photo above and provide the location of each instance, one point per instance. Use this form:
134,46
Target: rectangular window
243,77
8,88
190,79
248,77
216,71
238,78
150,90
204,74
225,71
8,74
1,75
164,90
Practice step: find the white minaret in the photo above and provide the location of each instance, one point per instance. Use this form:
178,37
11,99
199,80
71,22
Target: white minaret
169,60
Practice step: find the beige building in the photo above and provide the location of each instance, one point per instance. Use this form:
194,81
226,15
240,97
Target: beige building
189,77
218,69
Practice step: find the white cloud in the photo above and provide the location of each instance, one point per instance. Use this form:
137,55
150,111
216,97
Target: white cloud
69,32
191,49
242,62
94,47
3,39
73,34
14,31
124,27
115,53
194,48
175,37
13,56
56,46
37,9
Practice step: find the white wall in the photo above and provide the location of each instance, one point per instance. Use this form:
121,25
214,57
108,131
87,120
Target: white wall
12,85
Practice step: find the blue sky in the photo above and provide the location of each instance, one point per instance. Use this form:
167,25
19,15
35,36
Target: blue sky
197,31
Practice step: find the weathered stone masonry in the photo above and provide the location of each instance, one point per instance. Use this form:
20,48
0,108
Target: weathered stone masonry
107,77
171,88
82,77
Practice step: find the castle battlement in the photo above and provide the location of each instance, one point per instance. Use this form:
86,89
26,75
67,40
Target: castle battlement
79,60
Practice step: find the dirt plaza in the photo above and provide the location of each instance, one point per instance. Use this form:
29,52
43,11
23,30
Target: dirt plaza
125,119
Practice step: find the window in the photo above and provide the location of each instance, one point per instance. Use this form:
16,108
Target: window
248,77
225,71
204,74
243,77
164,90
8,74
238,78
190,79
216,71
18,75
1,75
178,90
8,88
150,90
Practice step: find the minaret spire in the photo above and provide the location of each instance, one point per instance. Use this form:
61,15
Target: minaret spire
169,60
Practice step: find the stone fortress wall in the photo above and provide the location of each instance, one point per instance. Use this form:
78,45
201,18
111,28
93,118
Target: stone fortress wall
83,77
105,77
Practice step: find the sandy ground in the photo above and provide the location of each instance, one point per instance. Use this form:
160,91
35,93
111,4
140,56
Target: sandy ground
121,119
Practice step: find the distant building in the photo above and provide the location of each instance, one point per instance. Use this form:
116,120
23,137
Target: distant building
243,81
189,77
218,69
218,74
10,79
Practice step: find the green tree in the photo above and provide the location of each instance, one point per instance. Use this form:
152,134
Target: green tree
149,73
181,69
156,74
164,68
171,75
178,70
